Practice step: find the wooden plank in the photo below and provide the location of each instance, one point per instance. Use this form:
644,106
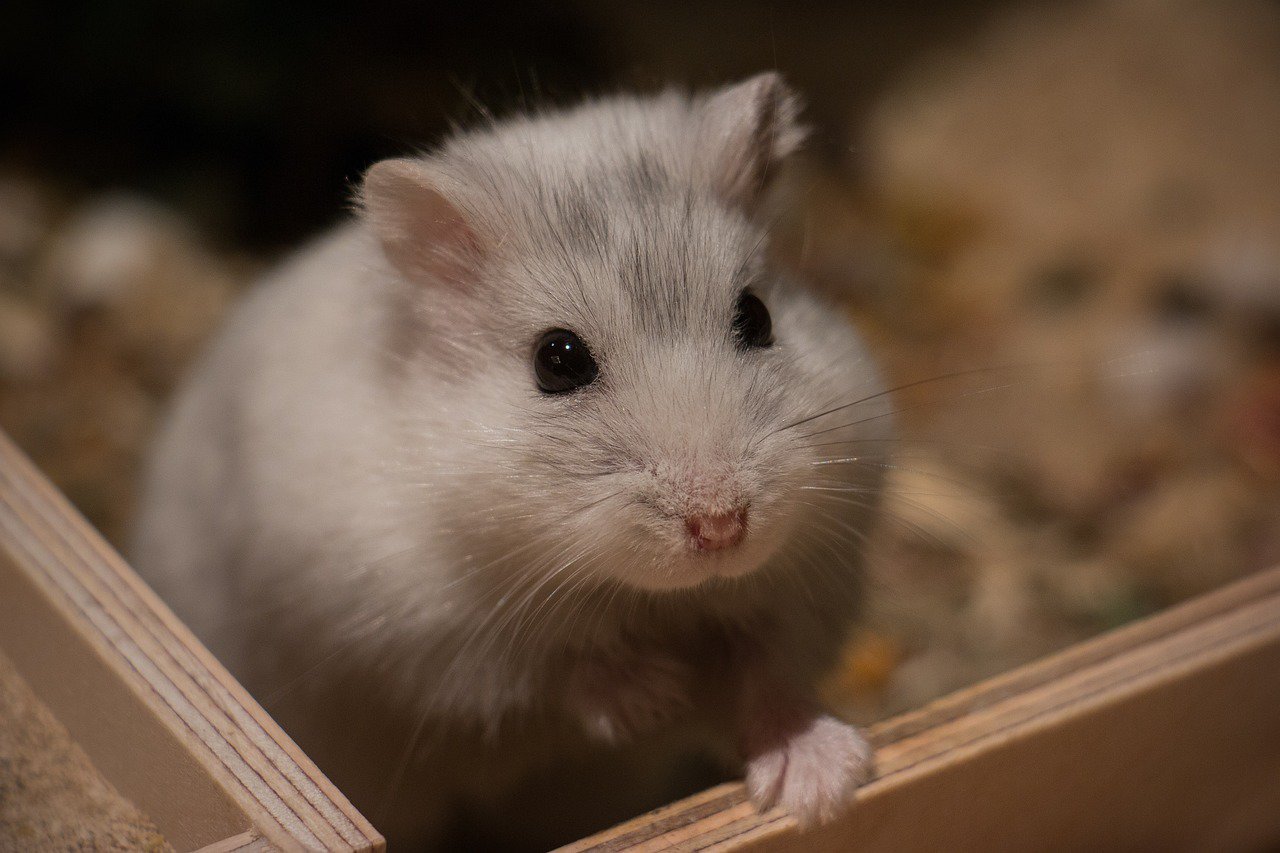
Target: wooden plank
1162,735
152,708
245,842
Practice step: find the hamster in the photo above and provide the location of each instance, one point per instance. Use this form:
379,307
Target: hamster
537,465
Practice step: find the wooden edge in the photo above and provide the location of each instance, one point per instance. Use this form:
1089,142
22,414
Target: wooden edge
1167,653
244,842
288,801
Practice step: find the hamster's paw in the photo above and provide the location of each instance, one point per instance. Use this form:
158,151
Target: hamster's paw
618,698
812,772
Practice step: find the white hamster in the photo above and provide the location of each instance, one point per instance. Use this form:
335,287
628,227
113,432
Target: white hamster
535,458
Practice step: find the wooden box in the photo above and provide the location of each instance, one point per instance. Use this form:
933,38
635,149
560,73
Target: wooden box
158,717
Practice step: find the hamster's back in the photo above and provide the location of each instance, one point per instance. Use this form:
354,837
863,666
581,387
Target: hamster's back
285,376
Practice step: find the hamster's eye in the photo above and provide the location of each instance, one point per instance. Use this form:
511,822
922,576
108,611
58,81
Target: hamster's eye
751,323
562,362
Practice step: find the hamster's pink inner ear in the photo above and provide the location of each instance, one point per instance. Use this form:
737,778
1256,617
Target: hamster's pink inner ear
750,127
424,235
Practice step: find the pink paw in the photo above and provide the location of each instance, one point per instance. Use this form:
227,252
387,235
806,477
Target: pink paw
812,772
617,698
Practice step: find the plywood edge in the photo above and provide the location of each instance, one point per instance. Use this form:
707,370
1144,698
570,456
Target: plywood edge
52,551
1177,659
244,842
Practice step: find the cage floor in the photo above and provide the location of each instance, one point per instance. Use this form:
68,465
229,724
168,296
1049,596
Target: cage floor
51,795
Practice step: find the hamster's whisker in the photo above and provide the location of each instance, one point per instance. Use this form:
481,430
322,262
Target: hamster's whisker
876,460
951,523
402,766
547,536
835,546
604,610
514,615
582,604
887,392
826,509
581,596
531,543
503,611
273,699
898,440
825,567
914,527
857,490
963,488
484,635
838,460
548,603
912,407
604,605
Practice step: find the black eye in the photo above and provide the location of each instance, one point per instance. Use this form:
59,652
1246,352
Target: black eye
751,323
562,362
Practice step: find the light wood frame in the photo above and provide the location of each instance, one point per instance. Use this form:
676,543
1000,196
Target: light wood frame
159,717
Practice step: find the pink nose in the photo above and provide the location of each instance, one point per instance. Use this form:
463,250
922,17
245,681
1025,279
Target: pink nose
712,532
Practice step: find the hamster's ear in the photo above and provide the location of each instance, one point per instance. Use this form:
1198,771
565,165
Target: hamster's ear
424,235
749,127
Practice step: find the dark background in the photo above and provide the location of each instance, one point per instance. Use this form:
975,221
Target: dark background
254,117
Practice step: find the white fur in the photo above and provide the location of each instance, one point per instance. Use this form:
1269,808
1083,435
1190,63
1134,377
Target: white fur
812,774
361,488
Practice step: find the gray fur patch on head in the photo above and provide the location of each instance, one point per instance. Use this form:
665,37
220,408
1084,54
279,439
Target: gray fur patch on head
642,197
559,175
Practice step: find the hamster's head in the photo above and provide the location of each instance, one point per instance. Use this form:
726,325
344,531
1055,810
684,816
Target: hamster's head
626,386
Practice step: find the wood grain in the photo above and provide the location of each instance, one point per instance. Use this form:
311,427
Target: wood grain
1164,735
157,714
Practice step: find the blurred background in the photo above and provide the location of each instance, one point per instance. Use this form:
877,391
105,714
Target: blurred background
1058,224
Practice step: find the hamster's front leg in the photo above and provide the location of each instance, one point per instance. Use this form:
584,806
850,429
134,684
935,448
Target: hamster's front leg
798,756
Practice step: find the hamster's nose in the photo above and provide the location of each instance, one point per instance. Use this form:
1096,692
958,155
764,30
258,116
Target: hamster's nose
714,531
